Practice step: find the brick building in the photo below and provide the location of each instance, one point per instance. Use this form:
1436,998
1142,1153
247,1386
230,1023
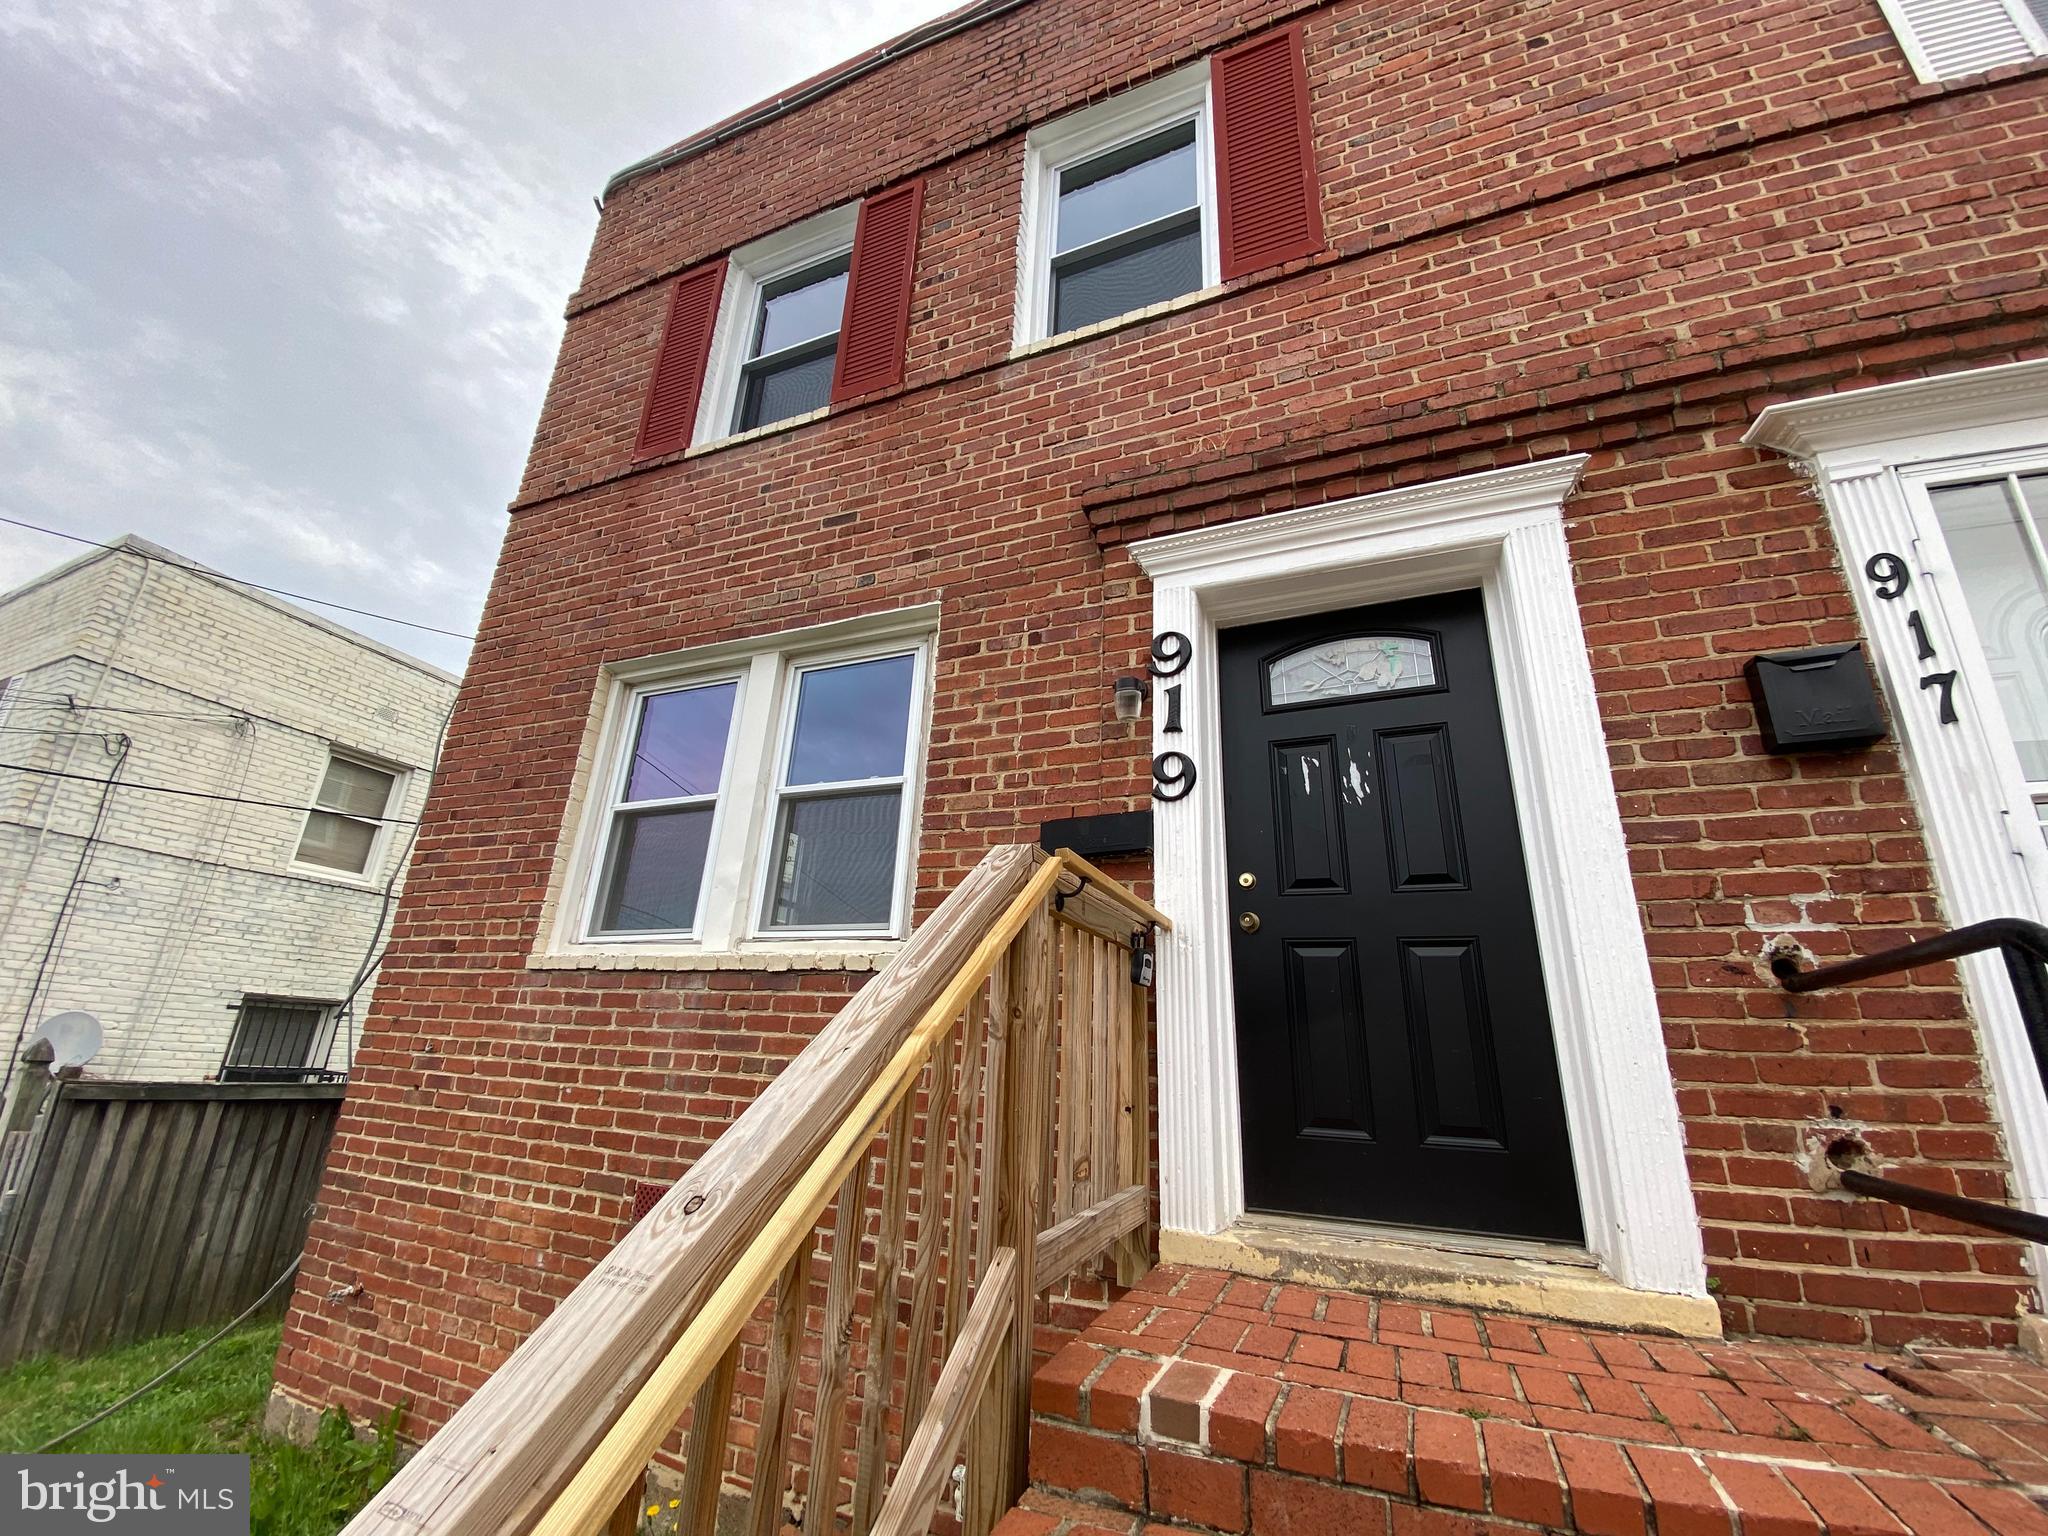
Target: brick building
203,815
1449,401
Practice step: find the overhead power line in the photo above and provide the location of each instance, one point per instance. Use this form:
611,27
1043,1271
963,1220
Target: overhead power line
297,597
201,794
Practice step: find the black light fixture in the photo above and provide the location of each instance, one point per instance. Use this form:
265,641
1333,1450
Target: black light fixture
1130,697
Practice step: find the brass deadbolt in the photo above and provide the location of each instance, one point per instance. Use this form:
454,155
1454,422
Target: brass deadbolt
1247,879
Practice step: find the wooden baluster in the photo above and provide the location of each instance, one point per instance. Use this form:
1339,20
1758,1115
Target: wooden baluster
625,1520
1021,1201
1073,1119
1102,1035
946,1128
1133,1254
704,1462
871,1462
987,1480
785,1344
835,1347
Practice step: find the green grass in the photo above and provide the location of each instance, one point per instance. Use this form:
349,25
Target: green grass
214,1405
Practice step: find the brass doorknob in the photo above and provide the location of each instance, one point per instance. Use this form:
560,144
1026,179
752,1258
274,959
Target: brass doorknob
1249,922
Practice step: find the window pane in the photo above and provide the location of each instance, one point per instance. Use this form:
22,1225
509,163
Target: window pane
801,308
1127,187
835,861
354,788
337,842
680,748
775,394
851,721
2008,601
1127,278
654,871
1347,668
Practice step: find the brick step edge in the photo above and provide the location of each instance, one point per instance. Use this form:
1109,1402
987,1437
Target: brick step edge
1457,1468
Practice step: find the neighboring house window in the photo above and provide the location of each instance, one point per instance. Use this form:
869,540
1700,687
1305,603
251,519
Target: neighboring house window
1996,531
279,1040
1172,187
1945,39
344,829
763,792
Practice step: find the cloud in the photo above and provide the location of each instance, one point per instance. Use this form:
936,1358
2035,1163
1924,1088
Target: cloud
284,281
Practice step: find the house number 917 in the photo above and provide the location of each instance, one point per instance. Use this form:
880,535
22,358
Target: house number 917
1173,773
1889,578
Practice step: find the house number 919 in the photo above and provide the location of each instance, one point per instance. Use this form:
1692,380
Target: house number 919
1173,773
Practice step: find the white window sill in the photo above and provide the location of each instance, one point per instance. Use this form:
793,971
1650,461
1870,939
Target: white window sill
821,955
367,881
769,430
1117,323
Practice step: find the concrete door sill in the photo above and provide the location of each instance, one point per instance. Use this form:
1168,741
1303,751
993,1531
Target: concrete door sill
1525,1279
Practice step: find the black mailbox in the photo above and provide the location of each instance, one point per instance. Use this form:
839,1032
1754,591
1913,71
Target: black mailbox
1819,700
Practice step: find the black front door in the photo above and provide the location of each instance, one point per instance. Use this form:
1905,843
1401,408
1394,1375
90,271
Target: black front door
1393,1041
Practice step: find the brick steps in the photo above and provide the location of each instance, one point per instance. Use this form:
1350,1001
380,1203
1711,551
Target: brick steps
1287,1428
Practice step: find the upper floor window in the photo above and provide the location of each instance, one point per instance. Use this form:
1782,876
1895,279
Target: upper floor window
756,793
1118,208
1945,39
777,338
345,827
788,370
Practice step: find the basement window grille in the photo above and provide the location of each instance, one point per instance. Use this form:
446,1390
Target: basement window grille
280,1040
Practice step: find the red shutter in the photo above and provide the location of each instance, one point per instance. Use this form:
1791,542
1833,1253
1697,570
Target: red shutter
1265,158
876,326
670,412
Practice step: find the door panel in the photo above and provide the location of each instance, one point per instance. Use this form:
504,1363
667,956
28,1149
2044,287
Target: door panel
1394,1041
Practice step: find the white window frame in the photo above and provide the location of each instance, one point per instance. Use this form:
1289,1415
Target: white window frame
614,802
2004,32
380,844
748,270
730,930
1873,454
1167,102
780,791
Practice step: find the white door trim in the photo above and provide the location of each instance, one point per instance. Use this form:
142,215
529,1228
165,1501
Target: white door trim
1872,453
1501,531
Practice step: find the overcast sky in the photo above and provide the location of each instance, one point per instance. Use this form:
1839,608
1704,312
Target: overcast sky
281,281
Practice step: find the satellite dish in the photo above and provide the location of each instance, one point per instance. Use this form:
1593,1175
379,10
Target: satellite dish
74,1038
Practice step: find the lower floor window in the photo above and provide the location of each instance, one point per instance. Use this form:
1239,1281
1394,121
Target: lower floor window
279,1040
765,794
1997,536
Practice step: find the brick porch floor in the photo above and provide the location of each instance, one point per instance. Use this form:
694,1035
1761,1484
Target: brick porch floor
1206,1400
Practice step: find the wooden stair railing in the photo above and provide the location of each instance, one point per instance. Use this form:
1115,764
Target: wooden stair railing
970,1130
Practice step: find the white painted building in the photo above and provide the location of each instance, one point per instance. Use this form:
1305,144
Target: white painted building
205,814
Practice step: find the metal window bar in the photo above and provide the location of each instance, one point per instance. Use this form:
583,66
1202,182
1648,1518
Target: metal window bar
274,1041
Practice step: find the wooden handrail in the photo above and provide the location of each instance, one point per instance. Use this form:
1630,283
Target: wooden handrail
940,1073
638,1432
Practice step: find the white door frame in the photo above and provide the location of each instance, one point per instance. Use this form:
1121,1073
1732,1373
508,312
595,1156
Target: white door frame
1872,453
1503,532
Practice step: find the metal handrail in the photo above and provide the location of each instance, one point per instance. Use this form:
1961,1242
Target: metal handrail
2023,945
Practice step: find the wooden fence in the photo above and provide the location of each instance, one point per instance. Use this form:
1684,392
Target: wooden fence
145,1208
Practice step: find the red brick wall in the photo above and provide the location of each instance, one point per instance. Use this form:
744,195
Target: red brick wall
1622,239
